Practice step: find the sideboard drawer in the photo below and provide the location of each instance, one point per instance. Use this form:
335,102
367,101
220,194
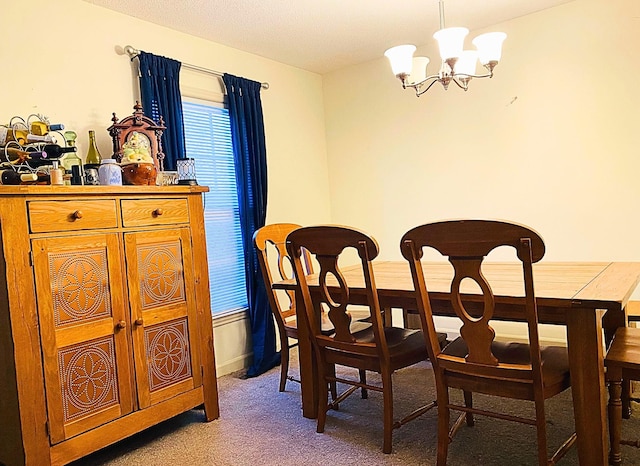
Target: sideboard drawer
145,212
47,216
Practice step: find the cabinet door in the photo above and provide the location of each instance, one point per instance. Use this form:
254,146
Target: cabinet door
163,311
83,321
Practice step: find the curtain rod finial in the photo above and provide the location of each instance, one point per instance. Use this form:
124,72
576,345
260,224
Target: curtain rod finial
129,50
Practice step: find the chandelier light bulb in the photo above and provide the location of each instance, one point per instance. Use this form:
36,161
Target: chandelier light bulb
466,64
401,59
489,46
419,70
450,42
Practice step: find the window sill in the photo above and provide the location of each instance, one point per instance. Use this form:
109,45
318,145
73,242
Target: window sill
224,318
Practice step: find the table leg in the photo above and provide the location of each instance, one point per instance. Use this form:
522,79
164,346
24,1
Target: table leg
306,360
586,362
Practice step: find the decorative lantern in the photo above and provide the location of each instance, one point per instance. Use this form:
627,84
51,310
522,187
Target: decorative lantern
186,171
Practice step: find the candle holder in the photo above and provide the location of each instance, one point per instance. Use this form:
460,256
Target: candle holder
186,171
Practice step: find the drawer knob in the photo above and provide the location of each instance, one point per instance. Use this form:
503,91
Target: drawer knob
76,215
120,325
158,212
139,321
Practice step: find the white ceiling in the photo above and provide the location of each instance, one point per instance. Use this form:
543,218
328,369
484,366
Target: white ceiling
320,35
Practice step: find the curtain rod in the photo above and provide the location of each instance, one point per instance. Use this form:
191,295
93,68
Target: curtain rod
133,52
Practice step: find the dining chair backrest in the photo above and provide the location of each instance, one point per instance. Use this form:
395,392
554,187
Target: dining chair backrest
466,243
275,264
326,244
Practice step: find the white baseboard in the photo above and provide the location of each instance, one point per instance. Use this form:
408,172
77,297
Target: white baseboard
234,365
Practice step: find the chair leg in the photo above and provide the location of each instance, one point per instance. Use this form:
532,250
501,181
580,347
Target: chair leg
386,317
284,362
615,414
541,430
468,402
405,318
333,386
387,397
323,394
626,399
443,425
363,380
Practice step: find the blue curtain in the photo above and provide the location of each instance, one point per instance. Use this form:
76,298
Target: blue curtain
160,92
247,130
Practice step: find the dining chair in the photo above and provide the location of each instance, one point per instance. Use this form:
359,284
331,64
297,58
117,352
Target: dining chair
284,312
477,361
378,348
623,363
275,265
632,310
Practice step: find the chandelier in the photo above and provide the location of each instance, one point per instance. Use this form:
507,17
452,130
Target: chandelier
458,65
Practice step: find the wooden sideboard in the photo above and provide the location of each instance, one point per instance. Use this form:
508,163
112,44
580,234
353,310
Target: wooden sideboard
105,320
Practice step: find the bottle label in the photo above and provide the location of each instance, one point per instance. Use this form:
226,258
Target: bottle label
3,134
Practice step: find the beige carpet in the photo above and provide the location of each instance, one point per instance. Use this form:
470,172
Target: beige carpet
260,426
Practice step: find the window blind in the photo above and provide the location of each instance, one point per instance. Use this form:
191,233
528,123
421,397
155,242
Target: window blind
208,141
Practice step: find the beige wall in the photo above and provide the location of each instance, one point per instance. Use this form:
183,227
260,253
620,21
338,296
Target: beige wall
63,59
552,141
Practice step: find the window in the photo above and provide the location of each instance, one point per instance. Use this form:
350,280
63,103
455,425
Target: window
208,141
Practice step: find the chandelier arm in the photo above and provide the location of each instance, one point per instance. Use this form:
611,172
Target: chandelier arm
488,75
421,83
422,91
464,88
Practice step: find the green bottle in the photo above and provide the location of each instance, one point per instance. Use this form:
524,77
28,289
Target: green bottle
93,158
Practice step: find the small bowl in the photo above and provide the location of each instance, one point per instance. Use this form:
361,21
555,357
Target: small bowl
140,174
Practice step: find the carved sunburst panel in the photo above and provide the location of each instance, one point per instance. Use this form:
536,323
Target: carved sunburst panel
168,355
161,274
88,378
79,286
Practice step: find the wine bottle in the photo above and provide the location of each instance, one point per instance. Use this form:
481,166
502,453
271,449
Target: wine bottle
13,177
93,157
70,137
43,178
40,128
17,156
70,159
30,137
54,150
10,134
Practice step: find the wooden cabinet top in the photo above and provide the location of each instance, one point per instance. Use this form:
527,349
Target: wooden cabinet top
49,190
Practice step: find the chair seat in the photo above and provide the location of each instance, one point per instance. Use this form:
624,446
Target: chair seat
555,359
291,325
395,336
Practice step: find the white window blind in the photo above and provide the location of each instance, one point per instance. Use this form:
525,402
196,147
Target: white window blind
208,141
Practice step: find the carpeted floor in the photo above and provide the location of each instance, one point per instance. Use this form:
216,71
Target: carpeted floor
260,426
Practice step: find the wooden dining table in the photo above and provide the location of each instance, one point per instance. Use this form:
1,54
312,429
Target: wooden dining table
589,298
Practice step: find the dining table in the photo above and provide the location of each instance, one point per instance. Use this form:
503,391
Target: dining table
588,298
